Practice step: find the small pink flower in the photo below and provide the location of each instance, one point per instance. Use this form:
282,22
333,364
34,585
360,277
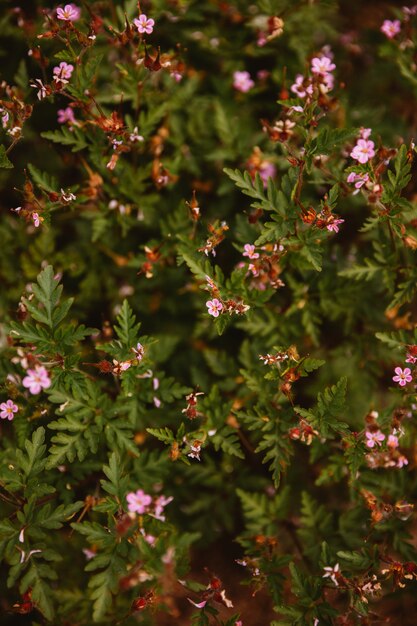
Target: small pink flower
63,72
242,81
249,251
37,379
333,224
358,179
138,502
36,219
267,170
214,307
374,438
322,65
363,151
411,359
160,503
70,13
402,376
8,409
139,351
199,605
365,133
66,115
302,87
391,28
392,441
144,24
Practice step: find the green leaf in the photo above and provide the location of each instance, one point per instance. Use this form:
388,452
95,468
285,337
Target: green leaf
4,161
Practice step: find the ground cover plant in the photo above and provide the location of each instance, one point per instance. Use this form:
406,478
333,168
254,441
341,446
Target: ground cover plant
208,339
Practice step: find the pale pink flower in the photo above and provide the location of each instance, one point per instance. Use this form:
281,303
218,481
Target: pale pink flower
358,180
144,24
36,219
70,13
37,379
402,376
66,115
8,409
89,554
391,28
138,502
214,307
333,224
322,65
139,351
62,72
159,505
374,439
302,86
4,117
195,451
249,251
43,90
199,605
242,81
332,573
267,170
363,151
411,359
365,133
392,441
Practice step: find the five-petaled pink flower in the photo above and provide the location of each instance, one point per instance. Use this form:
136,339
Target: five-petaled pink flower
138,502
391,28
249,251
374,439
214,307
37,379
363,151
63,72
8,409
322,65
70,13
402,376
66,115
242,81
144,24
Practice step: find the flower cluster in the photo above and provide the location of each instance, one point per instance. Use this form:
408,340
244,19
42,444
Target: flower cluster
141,503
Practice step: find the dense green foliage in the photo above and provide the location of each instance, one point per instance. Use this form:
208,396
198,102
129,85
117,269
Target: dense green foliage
208,312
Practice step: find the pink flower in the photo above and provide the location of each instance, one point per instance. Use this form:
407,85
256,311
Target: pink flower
160,503
267,170
402,376
8,409
63,72
333,224
139,351
392,441
144,24
214,307
391,28
199,605
374,438
66,115
70,13
37,379
411,359
365,133
402,460
302,87
138,502
363,151
322,65
249,251
36,219
242,81
358,179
